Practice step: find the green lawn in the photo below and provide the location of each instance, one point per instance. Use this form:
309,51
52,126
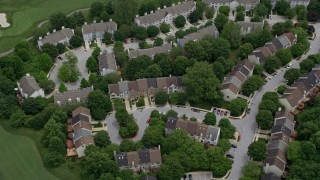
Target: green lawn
20,158
25,15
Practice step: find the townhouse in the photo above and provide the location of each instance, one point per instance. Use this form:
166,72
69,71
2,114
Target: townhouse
293,3
107,63
232,84
166,15
165,48
305,88
139,161
72,96
248,27
233,4
80,132
95,31
196,36
28,87
200,132
260,54
132,90
283,129
62,36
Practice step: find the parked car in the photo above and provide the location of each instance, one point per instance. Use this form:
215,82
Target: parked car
214,109
221,113
132,40
234,145
230,156
218,112
248,110
148,120
225,113
59,57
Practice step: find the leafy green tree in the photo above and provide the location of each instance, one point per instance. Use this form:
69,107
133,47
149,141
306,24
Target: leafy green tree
252,84
18,119
261,10
97,100
7,86
281,89
136,67
292,75
171,170
92,64
57,20
69,72
107,38
224,144
237,106
281,27
218,70
164,28
84,83
50,49
125,31
284,55
153,71
57,145
179,21
76,41
144,45
123,13
62,88
209,13
127,145
225,10
140,32
256,18
152,31
251,170
140,102
306,65
102,139
272,63
166,65
258,37
227,129
53,159
264,119
153,136
210,119
218,164
281,7
257,150
268,105
96,9
240,15
220,21
245,50
32,106
161,98
232,33
158,42
297,50
290,13
178,98
61,48
271,95
258,69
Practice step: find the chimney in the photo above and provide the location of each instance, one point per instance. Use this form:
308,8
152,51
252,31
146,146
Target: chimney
279,109
164,7
40,38
145,13
94,21
137,15
151,12
158,8
179,2
159,146
121,79
110,20
173,4
48,33
85,23
54,30
62,27
101,21
27,74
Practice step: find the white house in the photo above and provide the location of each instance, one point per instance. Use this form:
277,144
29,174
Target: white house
233,4
28,87
63,36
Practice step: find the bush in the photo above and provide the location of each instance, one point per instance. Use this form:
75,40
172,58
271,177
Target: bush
281,89
178,98
179,21
257,150
53,160
237,106
140,102
161,98
164,28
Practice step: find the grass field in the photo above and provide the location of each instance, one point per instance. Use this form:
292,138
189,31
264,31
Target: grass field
20,158
25,15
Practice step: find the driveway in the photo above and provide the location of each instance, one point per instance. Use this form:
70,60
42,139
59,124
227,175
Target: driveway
247,126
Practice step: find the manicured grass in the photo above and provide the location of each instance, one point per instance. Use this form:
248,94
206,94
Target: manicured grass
20,158
33,139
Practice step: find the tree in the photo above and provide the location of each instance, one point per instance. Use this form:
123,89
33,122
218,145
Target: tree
153,31
232,33
306,65
261,10
256,18
140,102
53,159
165,64
292,75
201,82
92,64
227,129
179,21
164,28
161,98
237,106
218,70
152,136
124,14
210,119
76,41
224,144
272,63
178,98
144,45
158,42
290,13
194,16
225,10
153,71
284,55
180,34
268,105
136,67
209,13
102,139
171,170
62,88
96,9
251,170
245,50
264,119
281,89
281,7
220,21
79,17
57,145
69,72
84,83
18,119
127,145
57,20
32,106
71,22
258,37
99,102
180,64
252,84
61,48
297,50
281,27
258,69
257,150
50,49
240,15
140,32
107,38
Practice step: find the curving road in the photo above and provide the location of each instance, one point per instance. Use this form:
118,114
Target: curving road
247,126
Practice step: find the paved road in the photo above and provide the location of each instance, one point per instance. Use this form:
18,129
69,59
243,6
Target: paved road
246,127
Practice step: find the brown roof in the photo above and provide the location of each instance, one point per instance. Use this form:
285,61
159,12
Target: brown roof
182,124
113,88
133,85
290,36
237,74
81,110
277,162
284,114
293,96
82,125
231,87
161,82
247,64
272,48
84,140
142,84
171,81
265,51
277,153
202,130
155,155
133,158
192,127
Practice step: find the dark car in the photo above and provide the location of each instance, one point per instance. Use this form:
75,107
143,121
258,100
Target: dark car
218,112
59,57
221,113
132,40
214,109
234,145
225,113
230,156
248,110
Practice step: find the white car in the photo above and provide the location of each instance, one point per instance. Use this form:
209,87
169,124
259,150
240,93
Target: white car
289,65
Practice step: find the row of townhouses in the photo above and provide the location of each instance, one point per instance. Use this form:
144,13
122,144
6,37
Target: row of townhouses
28,87
260,54
305,88
139,161
232,84
167,14
72,96
145,87
79,132
63,36
293,3
196,36
275,162
151,52
107,63
200,132
248,27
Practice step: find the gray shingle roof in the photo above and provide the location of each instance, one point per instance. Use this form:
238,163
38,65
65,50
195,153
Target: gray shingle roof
144,156
152,82
99,27
121,159
123,86
73,95
281,128
81,133
213,133
277,43
165,48
29,85
107,61
171,122
57,36
78,118
201,33
269,176
252,26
